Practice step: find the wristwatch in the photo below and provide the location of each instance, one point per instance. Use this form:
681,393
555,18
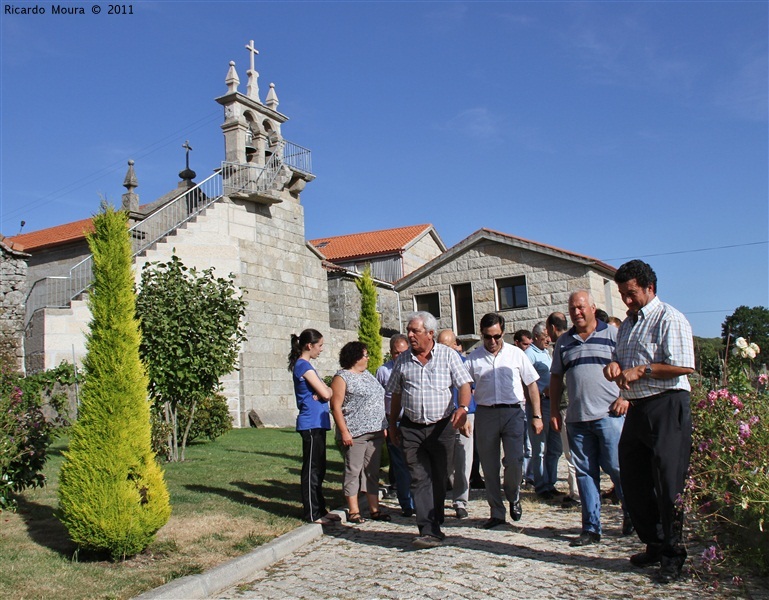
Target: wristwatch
467,408
536,416
647,371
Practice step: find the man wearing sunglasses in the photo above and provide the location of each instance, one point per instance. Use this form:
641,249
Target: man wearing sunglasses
500,372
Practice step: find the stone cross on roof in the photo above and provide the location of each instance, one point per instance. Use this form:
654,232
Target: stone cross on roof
252,89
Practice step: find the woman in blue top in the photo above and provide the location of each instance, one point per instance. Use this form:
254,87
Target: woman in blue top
312,423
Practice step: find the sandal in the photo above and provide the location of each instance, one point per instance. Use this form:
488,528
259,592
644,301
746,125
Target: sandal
355,518
378,515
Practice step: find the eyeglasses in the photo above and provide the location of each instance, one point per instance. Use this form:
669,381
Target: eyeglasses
365,356
496,338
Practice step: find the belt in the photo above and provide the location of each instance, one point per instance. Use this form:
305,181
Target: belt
502,405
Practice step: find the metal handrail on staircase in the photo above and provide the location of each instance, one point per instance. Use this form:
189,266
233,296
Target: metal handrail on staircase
58,292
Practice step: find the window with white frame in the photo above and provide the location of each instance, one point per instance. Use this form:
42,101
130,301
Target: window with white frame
511,293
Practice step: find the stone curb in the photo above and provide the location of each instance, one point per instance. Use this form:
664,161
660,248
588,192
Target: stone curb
242,568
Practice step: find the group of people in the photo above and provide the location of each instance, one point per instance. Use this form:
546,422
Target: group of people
611,398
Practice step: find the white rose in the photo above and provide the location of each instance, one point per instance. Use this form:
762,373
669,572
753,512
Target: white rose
750,352
755,347
741,343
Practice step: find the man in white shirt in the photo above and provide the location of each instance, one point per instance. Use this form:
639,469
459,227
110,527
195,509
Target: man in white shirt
500,371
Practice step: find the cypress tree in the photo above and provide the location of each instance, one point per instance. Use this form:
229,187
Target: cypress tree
112,495
369,324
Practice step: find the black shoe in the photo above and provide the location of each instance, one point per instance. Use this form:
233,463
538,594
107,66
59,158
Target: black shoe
492,522
461,512
586,538
408,512
569,502
627,525
670,568
516,511
548,495
477,484
644,559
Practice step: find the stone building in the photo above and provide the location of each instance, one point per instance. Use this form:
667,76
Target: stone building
491,271
391,253
13,291
246,219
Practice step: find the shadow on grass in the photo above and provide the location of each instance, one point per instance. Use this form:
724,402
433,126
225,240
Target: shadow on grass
45,529
275,497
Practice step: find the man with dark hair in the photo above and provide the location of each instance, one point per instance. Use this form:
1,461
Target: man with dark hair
421,384
399,473
654,355
601,315
500,372
522,338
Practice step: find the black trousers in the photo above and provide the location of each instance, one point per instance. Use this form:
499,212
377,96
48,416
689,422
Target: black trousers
654,453
313,473
427,449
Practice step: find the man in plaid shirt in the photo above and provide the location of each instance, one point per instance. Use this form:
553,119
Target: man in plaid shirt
653,356
421,384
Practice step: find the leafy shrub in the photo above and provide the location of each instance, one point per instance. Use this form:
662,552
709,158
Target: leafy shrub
211,420
25,432
728,487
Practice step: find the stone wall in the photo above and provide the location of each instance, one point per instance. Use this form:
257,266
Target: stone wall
420,253
344,304
549,281
13,290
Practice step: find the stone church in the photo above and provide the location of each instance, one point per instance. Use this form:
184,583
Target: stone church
247,219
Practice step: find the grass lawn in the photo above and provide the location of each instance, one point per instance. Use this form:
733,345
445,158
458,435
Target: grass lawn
228,497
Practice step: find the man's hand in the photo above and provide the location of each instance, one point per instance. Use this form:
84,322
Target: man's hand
555,421
619,407
537,425
346,439
612,371
628,376
459,418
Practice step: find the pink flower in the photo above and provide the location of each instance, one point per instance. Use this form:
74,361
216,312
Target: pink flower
736,402
744,430
723,393
763,379
712,396
753,420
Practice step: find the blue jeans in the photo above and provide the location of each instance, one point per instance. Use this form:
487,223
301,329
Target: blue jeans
594,447
546,449
401,475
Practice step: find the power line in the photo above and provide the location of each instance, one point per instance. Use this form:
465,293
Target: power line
686,251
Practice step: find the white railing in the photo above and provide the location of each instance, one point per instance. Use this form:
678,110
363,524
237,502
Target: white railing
58,292
248,179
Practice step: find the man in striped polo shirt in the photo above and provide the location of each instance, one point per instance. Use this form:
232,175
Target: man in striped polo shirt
654,355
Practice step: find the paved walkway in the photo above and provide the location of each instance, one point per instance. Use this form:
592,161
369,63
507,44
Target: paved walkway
531,559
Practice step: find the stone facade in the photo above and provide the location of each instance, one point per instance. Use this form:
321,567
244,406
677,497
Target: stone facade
13,291
487,257
344,304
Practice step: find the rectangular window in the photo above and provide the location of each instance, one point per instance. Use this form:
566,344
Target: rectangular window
464,319
428,302
511,293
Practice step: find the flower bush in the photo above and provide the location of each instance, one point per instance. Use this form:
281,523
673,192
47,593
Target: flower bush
728,487
25,431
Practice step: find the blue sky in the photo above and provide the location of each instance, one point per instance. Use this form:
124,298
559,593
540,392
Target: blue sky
613,129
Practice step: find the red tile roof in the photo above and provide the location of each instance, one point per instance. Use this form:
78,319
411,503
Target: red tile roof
53,236
370,243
